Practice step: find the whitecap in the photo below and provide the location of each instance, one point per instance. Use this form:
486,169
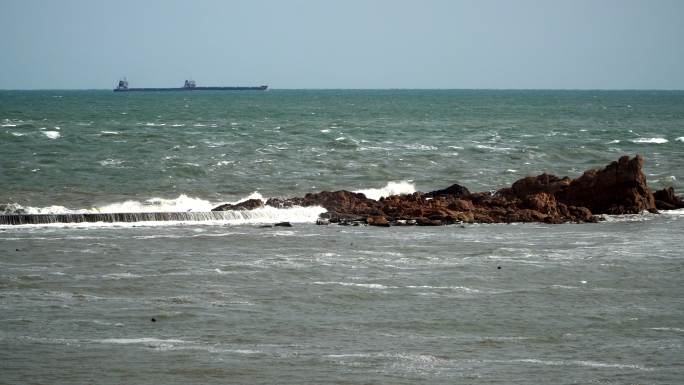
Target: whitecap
459,288
109,132
17,134
391,188
492,148
650,140
616,141
591,364
111,162
680,139
364,285
121,276
669,329
144,340
52,134
182,203
421,147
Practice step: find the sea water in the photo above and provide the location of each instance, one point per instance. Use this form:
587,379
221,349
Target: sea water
231,301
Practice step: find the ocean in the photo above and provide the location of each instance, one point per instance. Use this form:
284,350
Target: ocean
238,301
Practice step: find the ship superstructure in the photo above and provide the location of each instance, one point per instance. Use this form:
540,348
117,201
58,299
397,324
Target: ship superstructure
189,85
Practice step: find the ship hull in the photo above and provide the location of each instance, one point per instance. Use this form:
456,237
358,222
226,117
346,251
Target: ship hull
260,88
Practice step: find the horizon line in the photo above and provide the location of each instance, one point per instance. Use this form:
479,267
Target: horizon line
386,89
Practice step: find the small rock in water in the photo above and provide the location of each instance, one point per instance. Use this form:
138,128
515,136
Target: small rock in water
17,249
283,224
498,267
323,221
153,320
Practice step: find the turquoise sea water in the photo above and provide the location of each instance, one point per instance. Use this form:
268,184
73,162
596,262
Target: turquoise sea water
237,303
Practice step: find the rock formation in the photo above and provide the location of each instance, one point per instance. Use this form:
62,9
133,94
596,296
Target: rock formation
619,188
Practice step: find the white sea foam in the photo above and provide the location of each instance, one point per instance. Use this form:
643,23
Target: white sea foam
17,134
111,162
109,132
650,140
364,285
145,340
669,329
458,288
492,148
591,364
418,146
680,139
262,215
391,188
673,212
52,134
183,203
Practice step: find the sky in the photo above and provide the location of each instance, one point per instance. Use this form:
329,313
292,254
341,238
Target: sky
504,44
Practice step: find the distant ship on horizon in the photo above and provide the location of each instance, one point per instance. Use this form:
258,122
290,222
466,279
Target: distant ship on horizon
188,86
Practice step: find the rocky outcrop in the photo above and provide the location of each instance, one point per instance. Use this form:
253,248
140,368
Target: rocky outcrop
666,199
619,188
249,204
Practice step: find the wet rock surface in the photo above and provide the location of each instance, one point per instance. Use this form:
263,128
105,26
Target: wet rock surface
618,188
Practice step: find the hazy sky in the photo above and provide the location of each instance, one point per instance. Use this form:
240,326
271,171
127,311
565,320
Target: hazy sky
343,44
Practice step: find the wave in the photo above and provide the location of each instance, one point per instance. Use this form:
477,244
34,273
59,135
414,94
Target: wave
680,139
183,203
52,134
650,140
159,212
391,188
263,215
364,285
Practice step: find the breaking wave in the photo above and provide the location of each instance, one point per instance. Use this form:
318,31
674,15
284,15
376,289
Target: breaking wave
650,140
391,188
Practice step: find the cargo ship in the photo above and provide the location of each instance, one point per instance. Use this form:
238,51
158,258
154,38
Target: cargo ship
188,86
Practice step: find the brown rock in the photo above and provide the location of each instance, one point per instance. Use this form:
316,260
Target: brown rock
249,204
377,220
455,190
542,202
619,188
666,199
461,205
